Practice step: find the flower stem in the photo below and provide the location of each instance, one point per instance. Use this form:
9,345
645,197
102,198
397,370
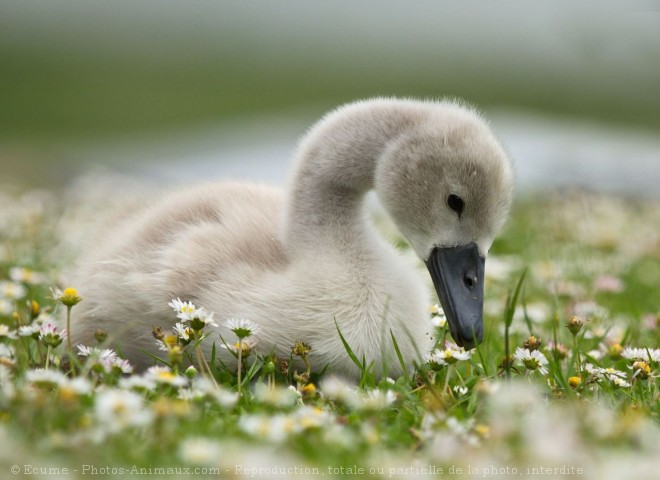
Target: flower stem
47,357
444,389
204,366
68,328
240,364
578,363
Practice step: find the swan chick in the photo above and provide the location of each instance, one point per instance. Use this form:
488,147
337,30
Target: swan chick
302,263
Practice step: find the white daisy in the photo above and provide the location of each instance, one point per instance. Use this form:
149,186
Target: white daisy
123,365
246,345
223,397
28,330
277,396
274,428
183,332
12,290
117,410
164,376
5,333
200,451
338,390
46,377
308,417
242,327
652,354
105,360
200,319
531,360
25,275
6,307
182,308
6,351
49,335
79,385
459,390
617,377
450,355
438,317
620,382
136,382
376,400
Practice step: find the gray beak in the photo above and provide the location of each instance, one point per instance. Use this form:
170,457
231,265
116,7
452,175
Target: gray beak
458,277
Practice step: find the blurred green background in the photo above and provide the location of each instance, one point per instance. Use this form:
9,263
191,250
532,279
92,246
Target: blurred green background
79,78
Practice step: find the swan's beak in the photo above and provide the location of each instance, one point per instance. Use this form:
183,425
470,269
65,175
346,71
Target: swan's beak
458,277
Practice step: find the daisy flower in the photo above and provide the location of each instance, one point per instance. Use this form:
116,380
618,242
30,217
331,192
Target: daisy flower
12,290
617,377
197,318
29,331
223,397
80,386
6,307
135,382
104,360
242,327
376,400
652,354
459,390
575,324
531,360
200,451
200,319
246,346
438,317
450,355
338,390
183,332
277,396
620,382
123,365
164,376
25,275
49,335
117,410
641,369
68,297
182,308
5,333
308,417
273,428
45,377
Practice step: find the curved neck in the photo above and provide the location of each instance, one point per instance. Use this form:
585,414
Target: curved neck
336,163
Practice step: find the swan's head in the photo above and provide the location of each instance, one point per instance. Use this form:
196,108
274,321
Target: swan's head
448,186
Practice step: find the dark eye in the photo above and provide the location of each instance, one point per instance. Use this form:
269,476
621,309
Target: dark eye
455,203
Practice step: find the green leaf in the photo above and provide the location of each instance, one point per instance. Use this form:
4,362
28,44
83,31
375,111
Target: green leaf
400,357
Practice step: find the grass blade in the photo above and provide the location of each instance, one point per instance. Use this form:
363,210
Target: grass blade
350,352
400,357
511,301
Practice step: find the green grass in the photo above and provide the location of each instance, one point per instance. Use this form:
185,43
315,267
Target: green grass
586,255
54,97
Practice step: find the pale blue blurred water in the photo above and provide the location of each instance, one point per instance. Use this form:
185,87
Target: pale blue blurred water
548,153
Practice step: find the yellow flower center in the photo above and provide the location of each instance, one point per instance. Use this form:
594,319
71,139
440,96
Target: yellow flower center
166,376
70,292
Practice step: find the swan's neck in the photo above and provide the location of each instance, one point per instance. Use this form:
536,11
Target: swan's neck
336,166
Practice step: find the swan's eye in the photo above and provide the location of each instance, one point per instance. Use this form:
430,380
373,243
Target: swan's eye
455,203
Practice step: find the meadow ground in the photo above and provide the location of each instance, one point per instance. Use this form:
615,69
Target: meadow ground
572,294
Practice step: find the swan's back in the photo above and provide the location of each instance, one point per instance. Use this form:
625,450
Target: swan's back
177,247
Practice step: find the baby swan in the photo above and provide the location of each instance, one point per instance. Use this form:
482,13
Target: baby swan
295,264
